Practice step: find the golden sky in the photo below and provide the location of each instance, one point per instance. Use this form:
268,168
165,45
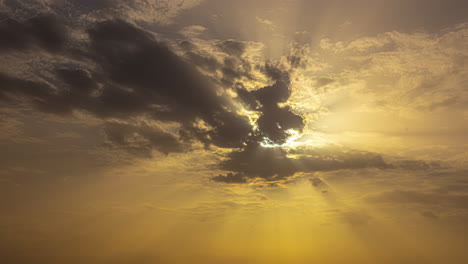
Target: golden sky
222,131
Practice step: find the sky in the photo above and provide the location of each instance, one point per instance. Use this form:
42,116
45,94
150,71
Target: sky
237,132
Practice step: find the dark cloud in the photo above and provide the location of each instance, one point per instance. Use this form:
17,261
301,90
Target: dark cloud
207,63
230,178
274,120
123,72
232,47
420,198
40,94
417,164
85,11
233,67
234,70
256,161
317,182
87,6
14,86
79,80
132,58
137,75
429,214
141,139
295,61
45,32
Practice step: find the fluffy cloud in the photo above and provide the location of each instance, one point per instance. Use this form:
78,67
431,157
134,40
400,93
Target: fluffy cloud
137,76
219,95
414,71
125,73
149,11
256,161
45,32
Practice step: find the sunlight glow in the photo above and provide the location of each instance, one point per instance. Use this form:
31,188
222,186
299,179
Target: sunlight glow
297,139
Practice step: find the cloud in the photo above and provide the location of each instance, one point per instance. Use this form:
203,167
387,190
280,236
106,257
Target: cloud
420,198
45,32
232,47
417,165
120,72
275,163
124,73
318,183
417,71
149,11
274,121
137,76
15,86
429,214
355,218
256,161
229,63
264,21
230,178
141,139
193,31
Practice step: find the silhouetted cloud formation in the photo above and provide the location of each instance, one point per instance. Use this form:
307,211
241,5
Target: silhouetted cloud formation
232,47
138,76
230,178
274,120
141,140
122,72
317,182
46,31
256,161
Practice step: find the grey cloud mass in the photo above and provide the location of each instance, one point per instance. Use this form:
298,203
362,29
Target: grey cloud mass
120,71
137,75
